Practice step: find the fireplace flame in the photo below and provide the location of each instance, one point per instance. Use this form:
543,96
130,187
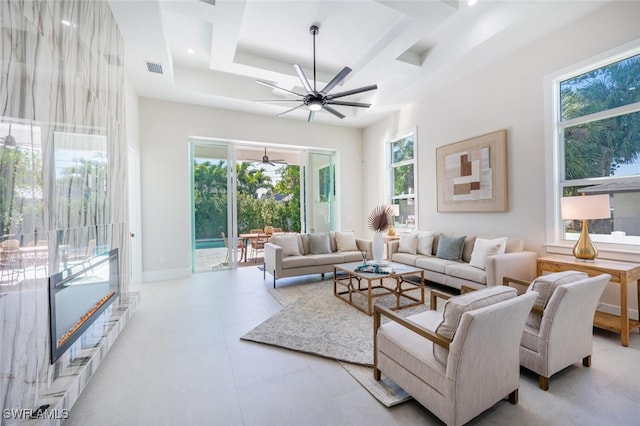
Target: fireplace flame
84,318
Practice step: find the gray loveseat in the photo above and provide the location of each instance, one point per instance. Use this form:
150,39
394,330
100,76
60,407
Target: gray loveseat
482,263
312,253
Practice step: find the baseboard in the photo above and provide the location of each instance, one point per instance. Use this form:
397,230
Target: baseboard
615,310
166,274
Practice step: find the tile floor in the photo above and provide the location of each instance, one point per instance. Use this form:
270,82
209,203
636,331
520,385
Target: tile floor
180,361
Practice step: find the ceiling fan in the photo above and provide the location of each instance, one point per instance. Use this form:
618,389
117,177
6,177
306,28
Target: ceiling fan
9,141
317,100
265,160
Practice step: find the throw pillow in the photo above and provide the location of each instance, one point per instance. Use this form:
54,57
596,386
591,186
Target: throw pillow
483,248
425,242
319,243
346,241
408,243
545,286
288,243
458,305
450,248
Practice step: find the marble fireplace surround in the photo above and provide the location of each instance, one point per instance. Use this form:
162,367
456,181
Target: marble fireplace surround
60,86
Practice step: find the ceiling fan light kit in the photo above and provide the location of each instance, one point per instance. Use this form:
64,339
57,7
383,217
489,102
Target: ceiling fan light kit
318,100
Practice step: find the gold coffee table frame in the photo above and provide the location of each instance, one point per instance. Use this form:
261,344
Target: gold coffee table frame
364,283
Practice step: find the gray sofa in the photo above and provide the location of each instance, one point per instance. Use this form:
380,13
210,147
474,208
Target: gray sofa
488,271
282,260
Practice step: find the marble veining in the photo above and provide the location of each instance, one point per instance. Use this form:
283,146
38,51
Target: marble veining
63,186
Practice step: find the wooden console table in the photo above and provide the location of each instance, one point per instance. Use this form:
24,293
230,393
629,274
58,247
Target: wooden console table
622,273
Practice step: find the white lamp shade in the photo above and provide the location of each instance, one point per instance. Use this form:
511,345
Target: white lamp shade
395,209
585,207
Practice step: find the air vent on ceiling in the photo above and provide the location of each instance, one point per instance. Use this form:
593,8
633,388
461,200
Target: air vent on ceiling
211,2
154,67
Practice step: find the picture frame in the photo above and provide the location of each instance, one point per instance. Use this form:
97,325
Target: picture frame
471,175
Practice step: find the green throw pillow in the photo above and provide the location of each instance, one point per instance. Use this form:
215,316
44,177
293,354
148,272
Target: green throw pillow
319,243
450,248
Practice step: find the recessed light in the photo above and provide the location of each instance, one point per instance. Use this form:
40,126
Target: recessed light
472,2
191,51
65,22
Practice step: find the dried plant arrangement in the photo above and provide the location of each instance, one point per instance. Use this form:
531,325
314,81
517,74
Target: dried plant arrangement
378,219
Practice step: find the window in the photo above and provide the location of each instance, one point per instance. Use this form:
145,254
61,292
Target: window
402,169
598,144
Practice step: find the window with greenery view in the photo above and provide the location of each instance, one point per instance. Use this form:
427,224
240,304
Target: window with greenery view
599,143
402,169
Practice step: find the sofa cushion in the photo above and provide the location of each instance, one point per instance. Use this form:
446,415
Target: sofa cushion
346,241
327,259
408,243
483,248
351,256
467,248
425,242
450,248
514,245
458,305
304,244
297,261
434,264
545,285
319,243
290,244
332,241
466,272
406,258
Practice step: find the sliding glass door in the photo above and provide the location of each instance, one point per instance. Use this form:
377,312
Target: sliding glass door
213,231
318,204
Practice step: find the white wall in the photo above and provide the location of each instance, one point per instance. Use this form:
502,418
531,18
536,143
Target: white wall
165,129
505,95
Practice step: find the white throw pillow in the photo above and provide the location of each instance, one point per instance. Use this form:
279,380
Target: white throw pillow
408,243
483,248
425,242
346,241
289,244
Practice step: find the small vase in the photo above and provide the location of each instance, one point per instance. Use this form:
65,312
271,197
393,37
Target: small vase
377,246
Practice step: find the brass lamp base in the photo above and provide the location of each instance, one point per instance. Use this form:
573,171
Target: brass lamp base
584,248
391,231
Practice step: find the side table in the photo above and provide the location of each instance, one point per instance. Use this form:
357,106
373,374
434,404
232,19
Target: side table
622,273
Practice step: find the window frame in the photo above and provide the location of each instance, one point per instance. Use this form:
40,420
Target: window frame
554,149
391,166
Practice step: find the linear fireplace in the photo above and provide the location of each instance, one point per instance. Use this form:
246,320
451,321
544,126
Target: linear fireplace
77,296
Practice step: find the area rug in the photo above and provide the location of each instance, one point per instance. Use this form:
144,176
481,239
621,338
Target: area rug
314,321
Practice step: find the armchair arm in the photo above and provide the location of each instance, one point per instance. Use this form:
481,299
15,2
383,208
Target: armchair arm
434,294
421,331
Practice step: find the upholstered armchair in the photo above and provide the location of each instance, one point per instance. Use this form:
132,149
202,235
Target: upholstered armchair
559,330
460,362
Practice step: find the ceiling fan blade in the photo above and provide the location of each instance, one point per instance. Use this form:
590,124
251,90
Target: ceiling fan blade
352,104
303,78
333,111
278,100
289,110
336,80
353,92
311,114
266,83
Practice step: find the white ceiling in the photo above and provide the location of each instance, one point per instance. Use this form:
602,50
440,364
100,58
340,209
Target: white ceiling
407,48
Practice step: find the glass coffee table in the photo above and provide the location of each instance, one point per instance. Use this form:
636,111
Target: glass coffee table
349,282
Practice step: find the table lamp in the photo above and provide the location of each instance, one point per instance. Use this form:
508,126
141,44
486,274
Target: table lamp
394,210
583,208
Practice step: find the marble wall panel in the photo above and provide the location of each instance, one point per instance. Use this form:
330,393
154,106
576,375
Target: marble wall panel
62,172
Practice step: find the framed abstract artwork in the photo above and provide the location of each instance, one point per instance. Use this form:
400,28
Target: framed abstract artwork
472,174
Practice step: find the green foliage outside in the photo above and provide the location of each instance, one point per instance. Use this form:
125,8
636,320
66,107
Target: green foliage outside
278,207
598,148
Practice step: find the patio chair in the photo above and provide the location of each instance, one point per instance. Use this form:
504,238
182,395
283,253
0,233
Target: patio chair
239,246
